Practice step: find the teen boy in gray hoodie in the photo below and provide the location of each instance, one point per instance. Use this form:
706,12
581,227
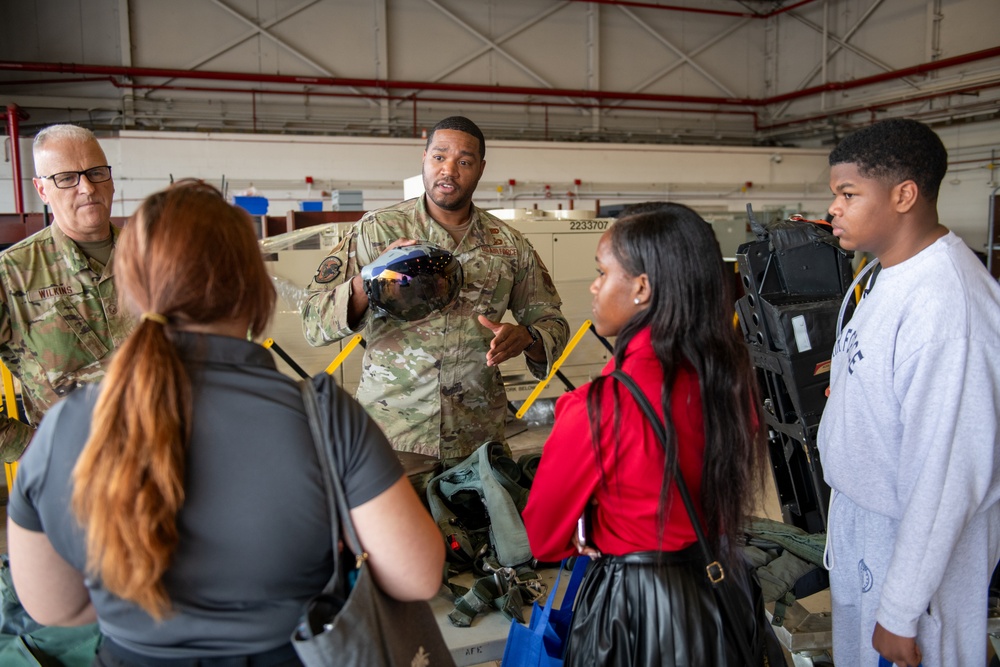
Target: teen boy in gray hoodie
909,437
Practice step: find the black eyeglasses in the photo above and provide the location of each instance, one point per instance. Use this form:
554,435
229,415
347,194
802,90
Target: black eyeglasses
70,179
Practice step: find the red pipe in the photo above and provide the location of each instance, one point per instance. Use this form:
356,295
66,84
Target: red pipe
876,107
694,10
13,115
888,76
134,72
650,5
424,98
81,79
785,9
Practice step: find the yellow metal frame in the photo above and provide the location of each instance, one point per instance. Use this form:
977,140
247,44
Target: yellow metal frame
555,367
10,407
857,288
339,359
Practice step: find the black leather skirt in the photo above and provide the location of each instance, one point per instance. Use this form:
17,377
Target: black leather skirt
649,608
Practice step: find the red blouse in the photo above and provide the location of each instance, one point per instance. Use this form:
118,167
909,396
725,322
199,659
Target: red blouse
624,519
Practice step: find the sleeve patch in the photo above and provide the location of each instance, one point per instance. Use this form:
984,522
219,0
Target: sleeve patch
329,270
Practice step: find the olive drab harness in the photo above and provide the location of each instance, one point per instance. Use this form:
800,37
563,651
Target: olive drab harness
477,506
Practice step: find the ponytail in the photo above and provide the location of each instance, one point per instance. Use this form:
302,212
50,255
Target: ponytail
128,484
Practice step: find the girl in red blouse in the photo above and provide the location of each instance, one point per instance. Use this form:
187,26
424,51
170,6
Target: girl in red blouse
662,290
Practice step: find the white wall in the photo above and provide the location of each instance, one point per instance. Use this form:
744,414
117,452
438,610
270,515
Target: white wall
973,158
709,178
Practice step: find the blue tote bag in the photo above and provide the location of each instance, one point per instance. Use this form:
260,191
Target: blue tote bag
882,662
542,643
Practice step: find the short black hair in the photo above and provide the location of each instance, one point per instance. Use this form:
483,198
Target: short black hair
643,207
894,151
462,124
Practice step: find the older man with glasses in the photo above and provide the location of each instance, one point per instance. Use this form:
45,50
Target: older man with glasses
60,320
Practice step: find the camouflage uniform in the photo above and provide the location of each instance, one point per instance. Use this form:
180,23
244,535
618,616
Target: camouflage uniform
59,322
426,383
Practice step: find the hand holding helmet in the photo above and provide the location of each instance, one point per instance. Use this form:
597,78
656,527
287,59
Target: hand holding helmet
412,280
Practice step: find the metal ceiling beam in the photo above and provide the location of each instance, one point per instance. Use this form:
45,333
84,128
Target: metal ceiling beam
277,40
821,67
687,58
777,130
458,64
253,32
845,45
408,98
656,76
872,108
934,17
73,68
381,29
698,10
66,103
492,44
924,68
594,58
125,49
274,38
680,54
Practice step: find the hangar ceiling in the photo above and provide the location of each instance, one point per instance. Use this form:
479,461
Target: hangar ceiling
738,72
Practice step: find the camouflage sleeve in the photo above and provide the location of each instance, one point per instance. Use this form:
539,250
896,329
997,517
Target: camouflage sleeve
14,433
535,301
324,316
14,438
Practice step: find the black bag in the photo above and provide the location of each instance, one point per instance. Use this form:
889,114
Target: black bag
359,625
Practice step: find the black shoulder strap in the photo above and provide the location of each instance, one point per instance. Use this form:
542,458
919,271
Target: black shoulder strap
713,575
714,570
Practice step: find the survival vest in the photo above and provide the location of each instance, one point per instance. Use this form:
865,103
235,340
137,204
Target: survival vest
477,506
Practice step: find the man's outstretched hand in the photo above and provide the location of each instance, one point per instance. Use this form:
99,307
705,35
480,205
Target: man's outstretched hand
509,341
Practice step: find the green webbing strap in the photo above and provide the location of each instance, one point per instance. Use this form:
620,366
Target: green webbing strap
506,590
485,595
780,607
